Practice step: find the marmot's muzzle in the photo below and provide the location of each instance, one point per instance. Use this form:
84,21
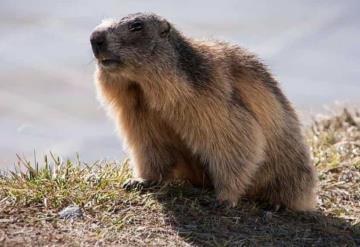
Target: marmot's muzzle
98,42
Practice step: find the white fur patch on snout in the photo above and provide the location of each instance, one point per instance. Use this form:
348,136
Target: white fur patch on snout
105,24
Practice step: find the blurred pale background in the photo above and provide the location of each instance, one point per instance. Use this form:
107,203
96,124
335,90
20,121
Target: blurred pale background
47,99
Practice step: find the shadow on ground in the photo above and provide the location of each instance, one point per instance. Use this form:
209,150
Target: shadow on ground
193,215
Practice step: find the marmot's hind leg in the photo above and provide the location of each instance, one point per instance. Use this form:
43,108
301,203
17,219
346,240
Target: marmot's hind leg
293,189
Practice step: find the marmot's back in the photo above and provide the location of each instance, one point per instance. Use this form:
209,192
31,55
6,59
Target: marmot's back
286,163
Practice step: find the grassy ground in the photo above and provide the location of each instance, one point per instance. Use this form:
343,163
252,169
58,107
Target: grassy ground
176,214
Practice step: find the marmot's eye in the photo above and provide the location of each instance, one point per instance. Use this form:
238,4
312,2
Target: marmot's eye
135,26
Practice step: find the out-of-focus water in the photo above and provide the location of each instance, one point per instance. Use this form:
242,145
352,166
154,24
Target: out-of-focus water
47,99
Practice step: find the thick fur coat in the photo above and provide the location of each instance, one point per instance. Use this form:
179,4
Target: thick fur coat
207,112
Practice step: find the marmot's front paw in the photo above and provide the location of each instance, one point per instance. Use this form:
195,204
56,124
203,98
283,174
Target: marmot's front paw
227,200
138,184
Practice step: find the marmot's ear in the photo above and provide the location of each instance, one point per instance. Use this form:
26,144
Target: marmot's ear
165,28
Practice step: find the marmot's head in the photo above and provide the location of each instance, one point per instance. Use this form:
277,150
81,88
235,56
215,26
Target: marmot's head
133,42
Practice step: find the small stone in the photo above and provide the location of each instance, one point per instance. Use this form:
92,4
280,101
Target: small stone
267,216
71,212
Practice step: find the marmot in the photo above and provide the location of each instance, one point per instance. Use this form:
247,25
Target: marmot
207,112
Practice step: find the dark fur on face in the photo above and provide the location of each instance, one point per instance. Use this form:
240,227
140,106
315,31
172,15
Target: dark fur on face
135,40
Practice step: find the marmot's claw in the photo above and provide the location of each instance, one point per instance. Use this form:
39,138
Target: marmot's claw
137,184
223,205
219,205
274,207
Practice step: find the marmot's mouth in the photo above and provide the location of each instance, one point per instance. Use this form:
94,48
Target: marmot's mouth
110,62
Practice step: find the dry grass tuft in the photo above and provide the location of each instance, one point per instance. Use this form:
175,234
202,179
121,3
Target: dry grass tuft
177,214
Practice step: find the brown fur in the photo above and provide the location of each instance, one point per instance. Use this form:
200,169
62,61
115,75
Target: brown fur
207,112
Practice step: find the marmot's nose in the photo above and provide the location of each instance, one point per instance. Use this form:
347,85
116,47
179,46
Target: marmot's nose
98,42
